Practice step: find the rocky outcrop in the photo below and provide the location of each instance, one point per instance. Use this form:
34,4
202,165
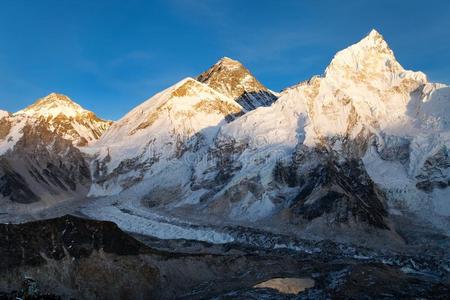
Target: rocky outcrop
231,78
435,172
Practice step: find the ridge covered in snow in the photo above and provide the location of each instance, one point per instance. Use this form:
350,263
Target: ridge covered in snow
182,119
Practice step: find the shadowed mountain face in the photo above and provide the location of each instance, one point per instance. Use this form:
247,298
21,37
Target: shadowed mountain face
42,166
72,257
341,194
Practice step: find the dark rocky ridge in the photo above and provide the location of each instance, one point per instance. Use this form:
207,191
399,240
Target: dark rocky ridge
70,257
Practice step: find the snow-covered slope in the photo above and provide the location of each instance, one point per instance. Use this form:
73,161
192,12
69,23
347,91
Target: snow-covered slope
366,126
232,79
152,145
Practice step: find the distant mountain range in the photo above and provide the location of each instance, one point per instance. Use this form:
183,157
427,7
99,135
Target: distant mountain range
345,152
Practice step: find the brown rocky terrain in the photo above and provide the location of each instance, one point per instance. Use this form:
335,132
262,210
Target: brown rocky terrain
70,257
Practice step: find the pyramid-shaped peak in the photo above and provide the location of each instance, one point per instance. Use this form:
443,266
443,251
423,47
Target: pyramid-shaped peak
372,62
374,40
226,58
374,34
229,63
56,99
232,79
370,56
53,104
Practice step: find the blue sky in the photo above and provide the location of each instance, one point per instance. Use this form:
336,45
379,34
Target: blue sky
109,56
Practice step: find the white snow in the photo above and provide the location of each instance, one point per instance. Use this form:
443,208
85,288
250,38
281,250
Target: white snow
52,106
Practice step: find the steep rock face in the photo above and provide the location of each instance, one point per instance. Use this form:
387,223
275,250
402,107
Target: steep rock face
435,172
232,79
42,166
162,136
39,158
336,192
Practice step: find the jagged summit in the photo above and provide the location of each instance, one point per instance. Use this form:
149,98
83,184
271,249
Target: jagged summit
54,104
230,78
370,60
375,40
374,34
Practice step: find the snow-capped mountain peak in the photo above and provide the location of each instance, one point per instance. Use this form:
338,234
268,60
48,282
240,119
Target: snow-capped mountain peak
53,105
231,78
375,37
229,63
370,61
66,118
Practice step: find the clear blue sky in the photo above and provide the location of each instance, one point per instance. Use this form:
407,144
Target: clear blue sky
109,56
